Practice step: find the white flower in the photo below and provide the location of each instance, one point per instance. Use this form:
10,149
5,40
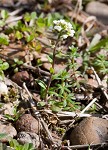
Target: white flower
58,28
62,21
71,33
69,25
65,28
55,21
64,36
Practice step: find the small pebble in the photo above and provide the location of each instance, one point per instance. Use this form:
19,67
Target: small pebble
27,123
9,130
20,77
28,137
90,130
100,10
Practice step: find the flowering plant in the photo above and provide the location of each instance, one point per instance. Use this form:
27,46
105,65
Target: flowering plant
64,28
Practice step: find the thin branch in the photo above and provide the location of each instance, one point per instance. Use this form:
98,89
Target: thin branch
68,114
100,83
37,69
10,20
89,105
17,11
86,146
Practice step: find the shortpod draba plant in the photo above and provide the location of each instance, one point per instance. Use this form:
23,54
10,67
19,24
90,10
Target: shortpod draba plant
63,30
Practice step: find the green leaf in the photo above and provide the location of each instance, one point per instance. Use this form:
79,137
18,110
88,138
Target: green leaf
51,70
2,135
51,92
41,83
55,108
41,104
64,103
49,59
27,17
29,37
5,66
13,143
1,61
27,146
38,47
67,108
100,44
40,22
1,75
94,41
4,14
31,146
9,117
4,39
19,35
33,15
17,61
20,62
49,20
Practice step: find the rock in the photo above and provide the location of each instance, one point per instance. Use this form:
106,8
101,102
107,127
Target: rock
100,10
3,88
28,137
20,77
27,123
91,130
9,130
8,109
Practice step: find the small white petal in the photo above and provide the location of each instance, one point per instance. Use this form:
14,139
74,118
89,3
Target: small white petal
69,25
64,36
65,26
58,28
72,32
62,21
55,21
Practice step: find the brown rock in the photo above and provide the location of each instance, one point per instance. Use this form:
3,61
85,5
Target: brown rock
27,123
100,10
9,130
91,130
28,137
20,77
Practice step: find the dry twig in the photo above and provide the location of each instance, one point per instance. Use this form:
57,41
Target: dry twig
89,105
100,83
86,146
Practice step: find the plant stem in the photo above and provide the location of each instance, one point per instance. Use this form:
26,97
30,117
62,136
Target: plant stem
50,77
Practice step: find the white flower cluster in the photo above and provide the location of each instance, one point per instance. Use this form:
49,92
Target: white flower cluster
63,27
